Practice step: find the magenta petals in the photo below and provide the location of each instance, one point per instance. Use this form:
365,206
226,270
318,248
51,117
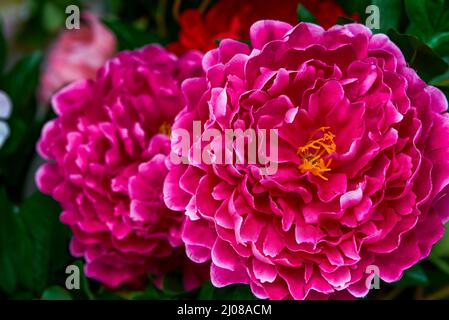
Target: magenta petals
107,152
362,172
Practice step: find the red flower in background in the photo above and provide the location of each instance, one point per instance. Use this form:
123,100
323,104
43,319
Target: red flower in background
327,12
233,18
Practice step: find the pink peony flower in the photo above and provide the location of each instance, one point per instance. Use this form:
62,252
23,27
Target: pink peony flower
363,163
106,151
77,54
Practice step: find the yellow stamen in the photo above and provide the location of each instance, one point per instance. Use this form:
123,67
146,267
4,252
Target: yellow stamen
165,128
315,151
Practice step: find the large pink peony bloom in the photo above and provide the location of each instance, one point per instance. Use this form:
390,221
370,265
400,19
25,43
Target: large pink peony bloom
107,150
363,164
77,54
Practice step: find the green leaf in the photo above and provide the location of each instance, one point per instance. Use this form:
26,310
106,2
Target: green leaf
305,15
14,247
53,17
427,17
19,152
414,276
172,288
22,295
390,14
129,37
150,293
234,292
437,277
105,294
113,6
440,44
420,56
3,48
353,6
56,293
21,81
206,292
49,239
441,249
172,284
8,240
19,131
420,21
440,263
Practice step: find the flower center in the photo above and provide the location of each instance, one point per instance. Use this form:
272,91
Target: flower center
165,128
315,153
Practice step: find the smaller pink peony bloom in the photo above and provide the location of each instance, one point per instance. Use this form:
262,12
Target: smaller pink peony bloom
77,54
363,162
106,151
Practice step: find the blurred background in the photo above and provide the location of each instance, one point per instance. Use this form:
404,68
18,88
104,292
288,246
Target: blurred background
39,55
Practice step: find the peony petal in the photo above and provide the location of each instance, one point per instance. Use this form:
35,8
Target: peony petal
265,31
